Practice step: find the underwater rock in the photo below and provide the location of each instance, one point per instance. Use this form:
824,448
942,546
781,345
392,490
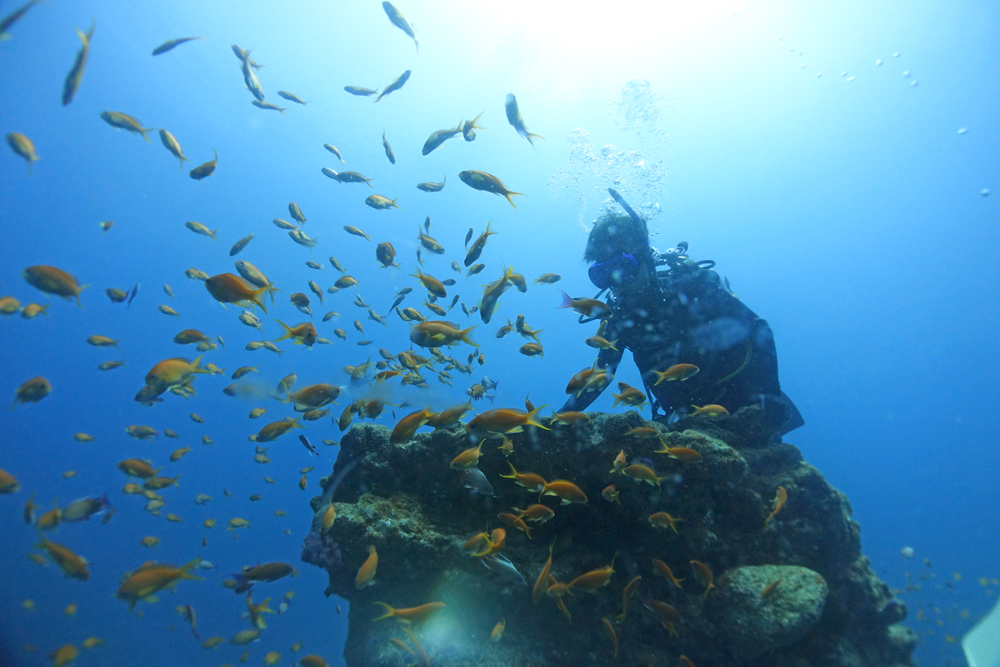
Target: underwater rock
828,609
765,607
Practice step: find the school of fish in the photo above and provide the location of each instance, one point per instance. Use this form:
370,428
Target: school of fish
432,354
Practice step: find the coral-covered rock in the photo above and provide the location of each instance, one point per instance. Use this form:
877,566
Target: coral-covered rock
766,607
407,503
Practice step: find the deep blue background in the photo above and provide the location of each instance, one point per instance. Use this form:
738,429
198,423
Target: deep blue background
847,213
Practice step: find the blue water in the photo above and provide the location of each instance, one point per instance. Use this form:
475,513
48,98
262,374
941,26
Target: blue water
846,209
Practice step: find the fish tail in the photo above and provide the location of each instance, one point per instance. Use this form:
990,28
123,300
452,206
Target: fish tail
513,472
533,136
144,131
511,201
213,233
617,398
567,301
389,612
288,331
196,364
610,345
77,295
186,570
529,419
464,336
256,296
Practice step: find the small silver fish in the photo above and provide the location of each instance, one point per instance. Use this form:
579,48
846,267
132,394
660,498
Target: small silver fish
500,565
333,149
401,22
388,149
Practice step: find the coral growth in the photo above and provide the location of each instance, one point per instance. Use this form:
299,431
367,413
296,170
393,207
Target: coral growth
825,609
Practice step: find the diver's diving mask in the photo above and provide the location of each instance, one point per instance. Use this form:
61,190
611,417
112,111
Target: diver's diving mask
617,271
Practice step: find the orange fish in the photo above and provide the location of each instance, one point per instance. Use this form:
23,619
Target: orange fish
541,584
619,463
51,280
642,432
566,491
683,454
675,372
366,575
780,498
414,615
769,589
329,517
152,577
609,632
586,307
477,541
275,430
449,416
591,581
663,520
662,569
229,288
535,513
610,493
503,420
302,334
641,473
569,417
627,594
515,521
401,644
579,381
71,564
528,480
666,613
629,396
469,458
408,425
32,391
64,655
686,661
494,544
710,412
424,658
703,574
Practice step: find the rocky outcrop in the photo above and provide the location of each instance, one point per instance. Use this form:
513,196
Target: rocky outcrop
827,608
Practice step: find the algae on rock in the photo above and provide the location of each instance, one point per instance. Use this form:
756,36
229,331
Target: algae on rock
828,609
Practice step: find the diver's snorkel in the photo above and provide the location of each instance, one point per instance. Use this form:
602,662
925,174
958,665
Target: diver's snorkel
632,214
628,209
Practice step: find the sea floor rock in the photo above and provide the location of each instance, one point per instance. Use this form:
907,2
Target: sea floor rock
828,608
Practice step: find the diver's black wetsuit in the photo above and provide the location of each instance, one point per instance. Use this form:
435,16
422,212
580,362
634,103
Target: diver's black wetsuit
692,318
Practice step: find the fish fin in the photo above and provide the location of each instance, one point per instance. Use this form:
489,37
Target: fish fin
186,570
389,611
464,336
530,418
256,296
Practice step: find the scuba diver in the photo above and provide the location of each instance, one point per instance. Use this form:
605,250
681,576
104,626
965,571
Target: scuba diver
668,309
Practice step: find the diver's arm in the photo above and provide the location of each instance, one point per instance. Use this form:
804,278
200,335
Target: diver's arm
607,359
